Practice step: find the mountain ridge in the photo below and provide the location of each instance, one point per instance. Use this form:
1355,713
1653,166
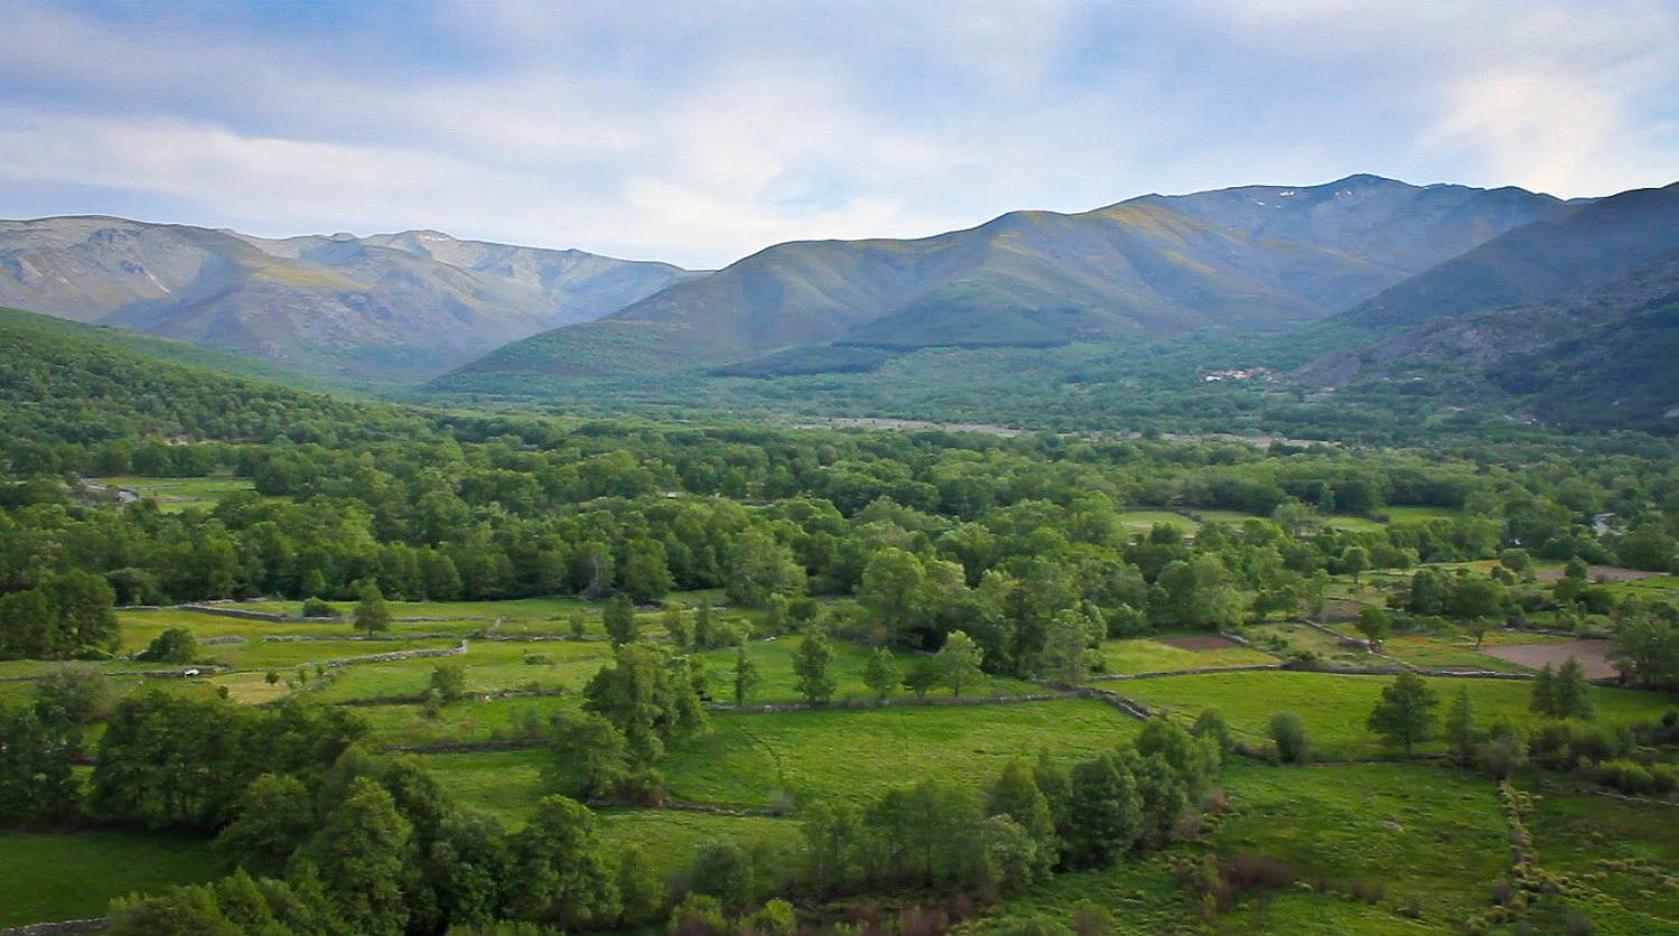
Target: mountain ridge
378,308
1148,265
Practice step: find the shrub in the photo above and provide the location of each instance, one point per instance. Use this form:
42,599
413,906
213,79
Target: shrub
1288,733
448,681
316,608
175,645
538,659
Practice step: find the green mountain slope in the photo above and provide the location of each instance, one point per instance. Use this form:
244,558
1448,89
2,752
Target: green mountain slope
62,380
1599,358
384,309
171,351
1249,258
1591,246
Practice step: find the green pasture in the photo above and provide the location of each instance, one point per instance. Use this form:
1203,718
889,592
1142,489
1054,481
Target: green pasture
1142,655
1623,856
47,877
1335,707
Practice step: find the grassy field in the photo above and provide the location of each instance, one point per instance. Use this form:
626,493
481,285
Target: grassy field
1141,655
1623,855
747,760
1420,831
670,838
1141,521
1428,833
1441,653
174,494
751,760
1335,706
74,875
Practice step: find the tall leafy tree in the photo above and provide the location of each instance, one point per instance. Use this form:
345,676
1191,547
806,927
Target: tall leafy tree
959,662
563,876
373,615
811,663
360,850
746,677
881,673
1405,714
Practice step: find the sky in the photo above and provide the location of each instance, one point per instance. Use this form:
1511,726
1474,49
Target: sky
699,132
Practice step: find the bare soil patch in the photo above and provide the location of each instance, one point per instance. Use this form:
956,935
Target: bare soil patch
1598,573
1198,642
1592,654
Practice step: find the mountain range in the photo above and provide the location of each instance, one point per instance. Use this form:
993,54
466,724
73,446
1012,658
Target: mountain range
387,309
1562,310
1256,257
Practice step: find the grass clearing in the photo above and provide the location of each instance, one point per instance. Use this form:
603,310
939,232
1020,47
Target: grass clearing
1625,854
1335,706
1143,655
65,876
774,660
747,760
670,838
1429,833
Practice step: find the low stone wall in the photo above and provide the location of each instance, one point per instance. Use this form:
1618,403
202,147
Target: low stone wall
95,925
895,702
1245,668
396,655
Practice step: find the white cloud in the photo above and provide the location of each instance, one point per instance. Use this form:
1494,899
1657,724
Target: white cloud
701,132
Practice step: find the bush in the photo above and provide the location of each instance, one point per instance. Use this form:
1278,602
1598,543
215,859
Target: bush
316,608
448,681
1288,733
538,659
175,645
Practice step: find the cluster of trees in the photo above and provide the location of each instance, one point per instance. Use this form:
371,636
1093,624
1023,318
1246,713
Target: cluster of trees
68,615
943,837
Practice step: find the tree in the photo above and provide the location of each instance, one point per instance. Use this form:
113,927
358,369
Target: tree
676,627
563,878
723,870
1572,695
619,620
1647,650
646,575
760,566
1373,624
881,673
1104,812
174,645
1067,657
1355,561
588,756
1405,713
1542,699
1016,795
641,889
448,680
923,675
1288,733
810,666
959,662
372,614
72,695
705,636
1460,728
647,695
359,850
36,759
746,675
1210,724
275,816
